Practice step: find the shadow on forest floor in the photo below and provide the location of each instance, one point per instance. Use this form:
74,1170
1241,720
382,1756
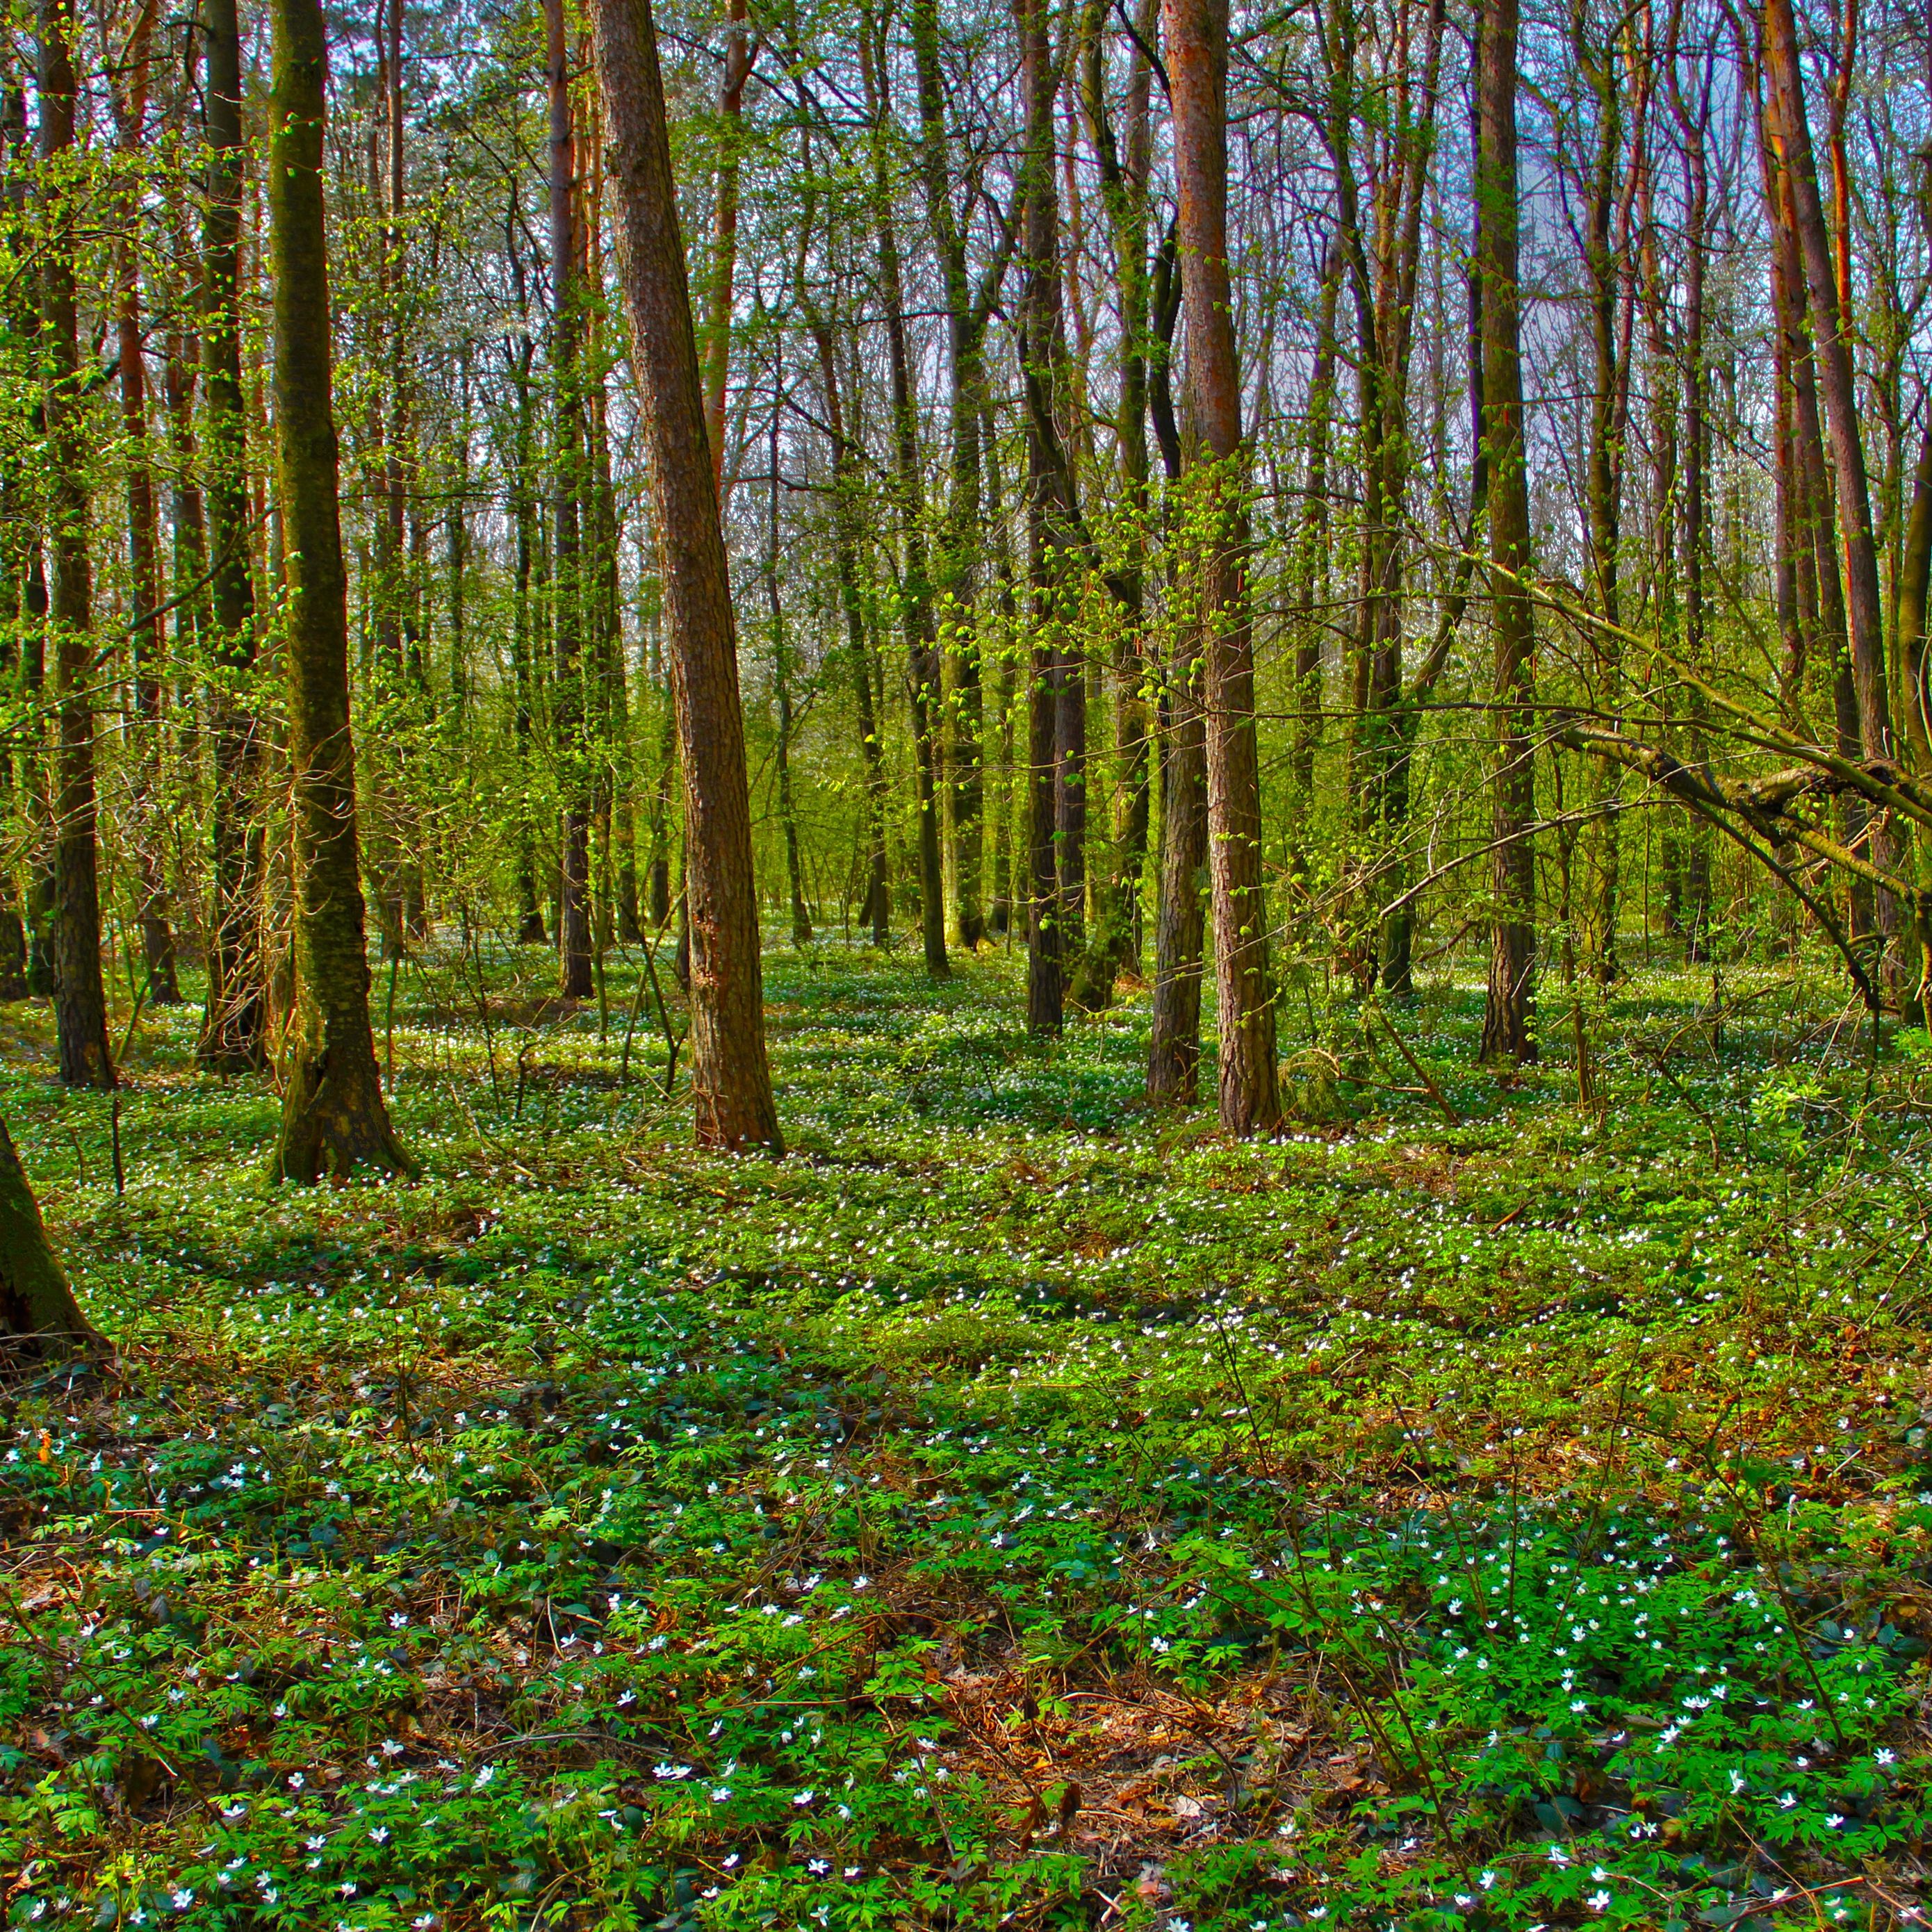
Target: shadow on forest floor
1487,1505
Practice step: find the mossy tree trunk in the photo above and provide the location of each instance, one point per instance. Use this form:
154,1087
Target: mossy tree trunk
333,1115
80,997
234,1037
37,1309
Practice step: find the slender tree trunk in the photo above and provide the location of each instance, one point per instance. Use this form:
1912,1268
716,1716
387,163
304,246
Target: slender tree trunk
968,310
801,918
81,1002
130,97
334,1117
522,636
16,544
730,1073
1914,582
234,1032
1311,557
1197,41
1508,1011
725,235
877,910
1792,131
924,668
1174,1053
569,603
1173,1050
1046,992
1050,537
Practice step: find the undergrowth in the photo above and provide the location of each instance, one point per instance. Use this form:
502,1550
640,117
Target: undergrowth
1473,1509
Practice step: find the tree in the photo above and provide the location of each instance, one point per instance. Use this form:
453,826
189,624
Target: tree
234,1034
731,1077
38,1313
1196,34
1508,1011
81,1001
130,95
334,1117
568,586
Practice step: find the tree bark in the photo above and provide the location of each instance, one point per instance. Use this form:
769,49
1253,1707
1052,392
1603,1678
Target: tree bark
234,1031
967,312
730,1073
81,1000
1509,1009
144,564
926,670
1196,34
334,1117
38,1313
801,916
576,979
1053,536
1792,131
725,235
876,911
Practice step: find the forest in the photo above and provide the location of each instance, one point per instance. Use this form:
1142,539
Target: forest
965,965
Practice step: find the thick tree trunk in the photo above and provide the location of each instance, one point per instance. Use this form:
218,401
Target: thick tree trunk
1196,32
334,1118
729,1073
1509,1009
234,1032
81,1001
38,1313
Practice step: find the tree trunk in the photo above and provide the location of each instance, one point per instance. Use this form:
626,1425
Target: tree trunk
1509,1007
81,1001
234,1031
38,1313
523,636
801,918
1792,130
1196,32
144,566
876,911
724,236
925,671
1045,991
334,1118
730,1074
968,310
568,601
1057,703
1173,1048
1174,1052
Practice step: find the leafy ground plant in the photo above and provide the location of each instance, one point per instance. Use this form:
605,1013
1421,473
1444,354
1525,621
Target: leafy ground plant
1015,1507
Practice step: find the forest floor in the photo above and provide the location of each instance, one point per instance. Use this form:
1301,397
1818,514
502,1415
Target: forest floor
1014,1507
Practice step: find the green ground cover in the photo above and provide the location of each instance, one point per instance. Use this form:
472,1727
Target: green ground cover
1474,1509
